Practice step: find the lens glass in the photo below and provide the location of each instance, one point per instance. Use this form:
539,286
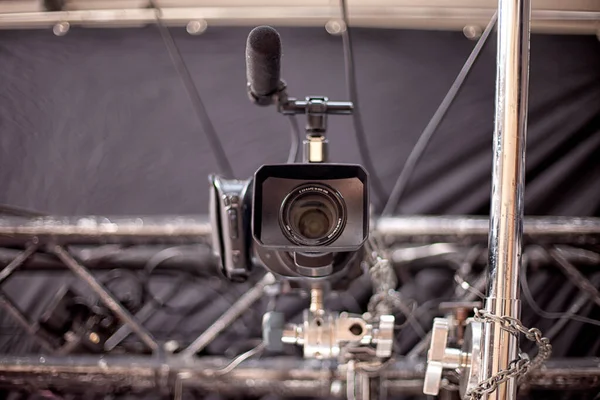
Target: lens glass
313,215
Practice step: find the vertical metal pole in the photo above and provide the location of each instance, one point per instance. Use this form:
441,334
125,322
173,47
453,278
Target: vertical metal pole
508,181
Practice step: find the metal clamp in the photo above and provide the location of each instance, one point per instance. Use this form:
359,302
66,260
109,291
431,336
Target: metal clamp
316,109
441,357
323,335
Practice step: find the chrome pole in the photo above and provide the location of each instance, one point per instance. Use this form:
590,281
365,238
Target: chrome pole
508,181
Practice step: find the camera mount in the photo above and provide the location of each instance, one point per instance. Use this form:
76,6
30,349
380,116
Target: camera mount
316,109
324,334
442,356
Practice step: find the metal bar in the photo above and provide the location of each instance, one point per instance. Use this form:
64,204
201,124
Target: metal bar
194,259
106,297
17,262
233,313
199,261
471,229
508,184
424,17
280,375
98,229
197,229
22,320
142,316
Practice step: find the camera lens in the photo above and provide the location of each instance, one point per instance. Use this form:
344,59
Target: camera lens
313,223
313,215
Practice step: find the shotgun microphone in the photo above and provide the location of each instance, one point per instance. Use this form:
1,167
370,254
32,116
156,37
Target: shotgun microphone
263,64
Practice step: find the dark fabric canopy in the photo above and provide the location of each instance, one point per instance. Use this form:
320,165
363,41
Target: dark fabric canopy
98,122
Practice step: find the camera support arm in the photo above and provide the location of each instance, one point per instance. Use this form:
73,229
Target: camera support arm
316,109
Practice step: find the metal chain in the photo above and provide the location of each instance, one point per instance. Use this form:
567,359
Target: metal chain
383,278
518,368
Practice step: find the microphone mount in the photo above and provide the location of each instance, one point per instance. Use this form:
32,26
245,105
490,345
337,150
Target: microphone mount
316,108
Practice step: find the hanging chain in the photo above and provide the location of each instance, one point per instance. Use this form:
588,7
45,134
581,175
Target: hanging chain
518,368
381,271
383,278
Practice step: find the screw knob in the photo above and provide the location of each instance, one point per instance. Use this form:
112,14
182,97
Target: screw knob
435,356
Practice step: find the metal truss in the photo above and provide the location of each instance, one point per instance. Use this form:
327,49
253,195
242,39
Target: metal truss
578,17
290,377
48,243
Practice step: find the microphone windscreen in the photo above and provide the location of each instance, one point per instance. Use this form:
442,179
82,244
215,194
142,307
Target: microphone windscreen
263,60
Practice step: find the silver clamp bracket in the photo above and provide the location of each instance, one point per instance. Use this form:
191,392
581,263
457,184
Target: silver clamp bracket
440,356
323,335
316,109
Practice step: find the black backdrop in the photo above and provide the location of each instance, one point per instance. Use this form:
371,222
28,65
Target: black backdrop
98,122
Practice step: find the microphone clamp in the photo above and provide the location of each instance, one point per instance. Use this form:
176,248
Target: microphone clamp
266,100
316,109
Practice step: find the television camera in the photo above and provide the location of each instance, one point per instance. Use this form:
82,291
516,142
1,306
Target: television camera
306,223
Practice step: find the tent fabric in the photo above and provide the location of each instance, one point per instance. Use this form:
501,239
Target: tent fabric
98,122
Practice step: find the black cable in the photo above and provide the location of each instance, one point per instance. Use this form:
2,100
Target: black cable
194,94
543,313
417,151
184,279
359,131
14,211
295,140
162,304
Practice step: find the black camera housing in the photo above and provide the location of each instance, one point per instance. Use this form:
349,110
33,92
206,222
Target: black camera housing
343,186
230,207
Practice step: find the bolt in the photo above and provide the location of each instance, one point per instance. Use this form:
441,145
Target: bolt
171,346
335,27
472,32
61,29
196,27
94,338
336,388
70,336
316,300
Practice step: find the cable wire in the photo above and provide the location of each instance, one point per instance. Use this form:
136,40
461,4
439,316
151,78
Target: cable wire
295,140
185,278
351,86
6,209
239,359
423,141
194,94
543,313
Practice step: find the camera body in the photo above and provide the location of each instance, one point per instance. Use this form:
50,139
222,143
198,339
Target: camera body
300,221
230,212
310,207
